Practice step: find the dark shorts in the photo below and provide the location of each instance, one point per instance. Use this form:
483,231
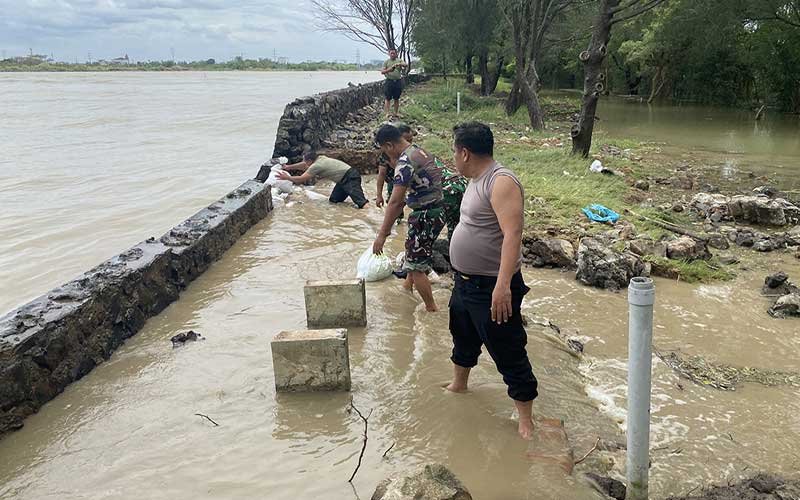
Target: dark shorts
392,89
472,327
424,227
350,185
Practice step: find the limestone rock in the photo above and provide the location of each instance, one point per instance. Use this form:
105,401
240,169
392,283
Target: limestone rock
779,283
787,305
601,266
769,191
793,237
429,482
607,486
775,280
644,245
762,210
540,252
687,248
707,204
718,241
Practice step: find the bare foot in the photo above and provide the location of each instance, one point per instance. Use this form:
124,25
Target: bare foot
525,429
457,388
432,308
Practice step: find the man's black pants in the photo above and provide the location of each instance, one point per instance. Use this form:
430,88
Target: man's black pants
471,326
350,185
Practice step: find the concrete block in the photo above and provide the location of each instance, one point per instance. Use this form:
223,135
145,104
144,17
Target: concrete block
311,360
335,304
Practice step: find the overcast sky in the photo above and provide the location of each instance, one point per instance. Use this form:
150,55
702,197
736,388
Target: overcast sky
149,29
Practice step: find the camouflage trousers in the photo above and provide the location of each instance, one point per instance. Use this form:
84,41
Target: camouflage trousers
424,227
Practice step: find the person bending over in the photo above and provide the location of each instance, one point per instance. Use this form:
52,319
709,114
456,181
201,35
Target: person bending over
418,184
486,255
315,166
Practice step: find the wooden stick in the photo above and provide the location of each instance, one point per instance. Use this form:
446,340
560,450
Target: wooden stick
668,226
364,444
588,452
207,418
760,112
387,451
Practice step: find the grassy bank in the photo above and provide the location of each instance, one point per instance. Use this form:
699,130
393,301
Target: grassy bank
557,184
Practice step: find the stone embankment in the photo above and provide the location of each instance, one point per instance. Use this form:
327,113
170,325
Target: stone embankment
59,337
319,121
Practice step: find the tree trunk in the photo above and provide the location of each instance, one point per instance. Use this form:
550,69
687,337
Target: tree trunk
514,99
495,76
483,69
530,94
470,73
656,89
594,82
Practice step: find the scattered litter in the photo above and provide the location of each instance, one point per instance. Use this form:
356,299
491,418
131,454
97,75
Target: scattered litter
598,168
599,213
373,267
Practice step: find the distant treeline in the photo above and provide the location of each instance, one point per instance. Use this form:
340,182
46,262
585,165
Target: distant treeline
237,64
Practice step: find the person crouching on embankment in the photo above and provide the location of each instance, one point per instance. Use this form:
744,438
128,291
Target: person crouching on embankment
314,166
418,184
486,255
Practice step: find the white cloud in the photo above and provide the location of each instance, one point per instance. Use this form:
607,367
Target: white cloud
147,29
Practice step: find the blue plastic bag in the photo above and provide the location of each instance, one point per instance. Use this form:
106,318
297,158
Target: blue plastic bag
599,213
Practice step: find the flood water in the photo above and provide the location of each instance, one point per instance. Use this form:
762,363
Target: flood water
93,163
129,429
729,138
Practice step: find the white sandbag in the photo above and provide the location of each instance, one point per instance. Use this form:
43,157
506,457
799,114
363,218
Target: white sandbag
373,267
281,185
400,260
314,196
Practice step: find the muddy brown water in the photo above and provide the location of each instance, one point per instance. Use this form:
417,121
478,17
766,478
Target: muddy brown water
129,429
729,139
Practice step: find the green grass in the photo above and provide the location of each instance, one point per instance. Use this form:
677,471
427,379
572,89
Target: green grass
542,159
697,271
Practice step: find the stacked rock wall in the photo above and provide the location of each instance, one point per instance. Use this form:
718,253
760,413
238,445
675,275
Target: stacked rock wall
308,121
58,338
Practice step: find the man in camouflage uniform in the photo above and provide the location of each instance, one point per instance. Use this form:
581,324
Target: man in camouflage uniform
453,184
453,187
418,184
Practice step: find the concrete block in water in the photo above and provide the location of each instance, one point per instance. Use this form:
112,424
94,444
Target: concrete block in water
335,304
311,360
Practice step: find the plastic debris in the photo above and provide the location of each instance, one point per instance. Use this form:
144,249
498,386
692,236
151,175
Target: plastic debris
599,213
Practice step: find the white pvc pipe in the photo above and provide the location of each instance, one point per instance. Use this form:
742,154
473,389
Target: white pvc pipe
458,103
641,296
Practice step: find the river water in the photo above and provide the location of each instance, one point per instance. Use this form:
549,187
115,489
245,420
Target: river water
129,429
